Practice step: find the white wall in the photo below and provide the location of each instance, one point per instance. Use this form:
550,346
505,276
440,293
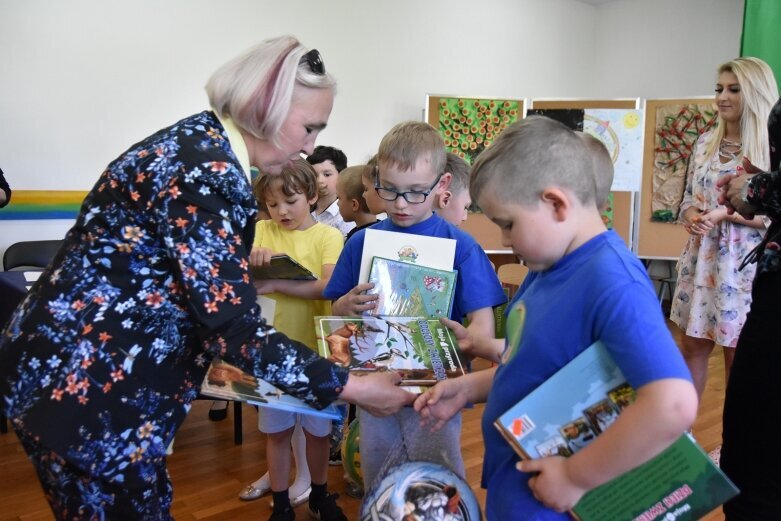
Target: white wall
81,80
664,48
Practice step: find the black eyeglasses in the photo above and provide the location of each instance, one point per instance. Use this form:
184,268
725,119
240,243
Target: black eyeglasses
411,196
315,62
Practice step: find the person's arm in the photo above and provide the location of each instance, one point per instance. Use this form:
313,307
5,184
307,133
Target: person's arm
355,301
5,191
443,401
663,410
307,289
753,193
688,212
480,346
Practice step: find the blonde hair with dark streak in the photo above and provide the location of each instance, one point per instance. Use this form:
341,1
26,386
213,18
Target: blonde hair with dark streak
408,142
299,178
759,92
603,167
529,156
459,170
256,88
351,180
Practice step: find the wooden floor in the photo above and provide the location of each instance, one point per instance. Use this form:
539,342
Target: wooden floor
208,470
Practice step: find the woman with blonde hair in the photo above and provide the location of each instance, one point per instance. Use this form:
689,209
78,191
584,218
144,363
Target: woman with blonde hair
101,361
713,292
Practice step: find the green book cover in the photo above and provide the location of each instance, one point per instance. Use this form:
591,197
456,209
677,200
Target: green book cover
589,393
422,350
411,290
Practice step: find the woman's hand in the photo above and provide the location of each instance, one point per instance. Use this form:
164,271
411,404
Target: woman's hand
714,216
264,287
377,393
732,187
689,217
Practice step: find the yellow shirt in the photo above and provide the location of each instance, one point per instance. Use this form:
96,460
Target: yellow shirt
320,244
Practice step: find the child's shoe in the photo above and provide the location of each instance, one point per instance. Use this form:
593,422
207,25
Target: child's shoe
326,509
283,515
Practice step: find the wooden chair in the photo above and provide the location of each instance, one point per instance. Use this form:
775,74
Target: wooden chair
512,275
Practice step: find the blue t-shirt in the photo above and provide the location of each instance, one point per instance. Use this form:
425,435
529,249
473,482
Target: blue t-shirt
598,292
477,286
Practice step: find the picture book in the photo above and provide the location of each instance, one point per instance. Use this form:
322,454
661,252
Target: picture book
228,382
434,252
410,290
422,350
574,406
283,267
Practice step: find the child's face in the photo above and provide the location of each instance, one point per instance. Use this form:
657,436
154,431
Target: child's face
455,208
327,177
345,204
531,230
373,200
420,178
290,212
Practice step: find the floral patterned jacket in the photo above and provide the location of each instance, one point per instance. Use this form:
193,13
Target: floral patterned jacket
764,193
101,360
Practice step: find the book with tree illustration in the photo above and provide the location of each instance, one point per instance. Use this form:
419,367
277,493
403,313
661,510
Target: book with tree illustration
422,350
228,382
574,406
283,267
411,290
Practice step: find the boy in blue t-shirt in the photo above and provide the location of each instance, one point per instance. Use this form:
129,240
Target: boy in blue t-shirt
537,183
411,171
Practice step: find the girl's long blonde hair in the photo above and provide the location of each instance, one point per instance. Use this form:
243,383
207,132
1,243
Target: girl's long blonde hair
759,92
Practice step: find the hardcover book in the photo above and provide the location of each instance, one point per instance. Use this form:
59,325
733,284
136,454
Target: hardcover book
434,252
574,406
282,267
410,290
228,382
422,350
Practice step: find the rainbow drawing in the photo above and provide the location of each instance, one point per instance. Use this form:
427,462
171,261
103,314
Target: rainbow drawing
43,204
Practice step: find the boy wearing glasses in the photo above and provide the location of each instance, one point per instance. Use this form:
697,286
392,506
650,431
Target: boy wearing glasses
410,173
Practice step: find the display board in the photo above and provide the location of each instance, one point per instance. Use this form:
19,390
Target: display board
620,213
671,128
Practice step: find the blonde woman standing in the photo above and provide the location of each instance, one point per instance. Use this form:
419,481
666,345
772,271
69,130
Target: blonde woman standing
713,293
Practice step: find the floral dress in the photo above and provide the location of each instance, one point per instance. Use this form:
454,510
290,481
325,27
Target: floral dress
713,294
101,360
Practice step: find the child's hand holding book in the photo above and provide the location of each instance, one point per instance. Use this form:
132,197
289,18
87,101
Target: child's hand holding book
552,484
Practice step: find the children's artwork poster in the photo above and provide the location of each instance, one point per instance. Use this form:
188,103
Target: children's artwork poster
676,131
469,125
621,131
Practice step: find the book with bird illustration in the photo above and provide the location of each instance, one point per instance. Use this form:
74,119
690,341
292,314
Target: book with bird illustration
422,350
573,407
228,382
410,290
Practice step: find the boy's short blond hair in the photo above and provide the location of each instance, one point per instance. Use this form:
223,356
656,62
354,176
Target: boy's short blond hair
351,181
603,167
299,178
459,170
408,142
531,155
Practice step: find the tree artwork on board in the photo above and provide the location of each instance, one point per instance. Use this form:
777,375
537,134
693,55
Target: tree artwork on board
677,128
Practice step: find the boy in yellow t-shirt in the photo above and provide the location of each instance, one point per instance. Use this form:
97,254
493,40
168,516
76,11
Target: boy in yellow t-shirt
289,198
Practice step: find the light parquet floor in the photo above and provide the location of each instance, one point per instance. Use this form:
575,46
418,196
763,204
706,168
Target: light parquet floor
208,470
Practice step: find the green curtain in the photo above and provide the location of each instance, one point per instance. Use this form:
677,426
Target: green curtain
762,33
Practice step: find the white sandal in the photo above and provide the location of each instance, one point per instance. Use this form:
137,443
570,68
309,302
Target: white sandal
251,492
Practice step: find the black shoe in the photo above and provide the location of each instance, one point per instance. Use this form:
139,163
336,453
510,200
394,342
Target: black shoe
335,458
216,415
285,515
326,509
353,489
